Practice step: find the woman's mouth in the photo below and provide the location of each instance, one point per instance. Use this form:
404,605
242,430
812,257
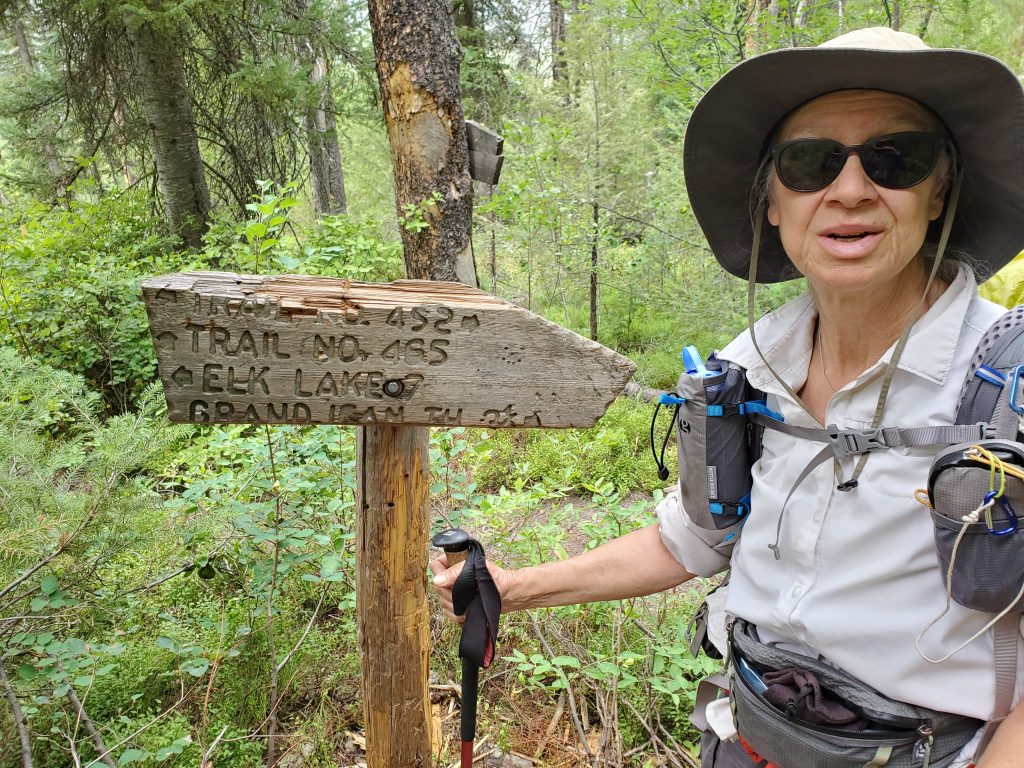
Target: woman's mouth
850,237
850,242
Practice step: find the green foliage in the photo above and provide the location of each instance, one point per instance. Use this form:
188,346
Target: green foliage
415,217
69,289
343,246
616,450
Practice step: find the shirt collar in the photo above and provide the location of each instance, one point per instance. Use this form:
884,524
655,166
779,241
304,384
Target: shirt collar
785,337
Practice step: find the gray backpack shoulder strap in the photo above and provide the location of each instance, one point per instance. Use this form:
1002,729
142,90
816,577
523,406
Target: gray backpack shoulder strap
997,360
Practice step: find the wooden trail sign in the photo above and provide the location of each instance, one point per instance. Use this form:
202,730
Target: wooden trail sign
295,350
394,359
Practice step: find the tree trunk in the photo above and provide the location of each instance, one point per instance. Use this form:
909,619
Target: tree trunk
167,104
559,69
324,154
593,271
417,60
926,19
326,174
28,61
393,500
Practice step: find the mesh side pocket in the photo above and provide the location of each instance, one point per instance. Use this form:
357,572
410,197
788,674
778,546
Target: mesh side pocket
988,569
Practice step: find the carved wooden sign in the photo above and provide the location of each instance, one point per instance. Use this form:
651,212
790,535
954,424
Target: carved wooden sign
312,350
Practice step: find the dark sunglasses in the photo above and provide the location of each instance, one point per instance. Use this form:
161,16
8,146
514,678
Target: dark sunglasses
895,161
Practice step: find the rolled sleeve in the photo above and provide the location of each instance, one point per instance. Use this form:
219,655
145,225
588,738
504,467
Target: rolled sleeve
686,546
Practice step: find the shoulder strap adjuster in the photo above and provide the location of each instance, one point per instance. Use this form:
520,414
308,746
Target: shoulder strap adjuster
850,442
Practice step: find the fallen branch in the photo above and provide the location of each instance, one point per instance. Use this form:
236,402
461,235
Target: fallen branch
90,728
647,394
568,690
19,719
552,727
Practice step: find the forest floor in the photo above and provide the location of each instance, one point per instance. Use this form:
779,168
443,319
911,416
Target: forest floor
518,728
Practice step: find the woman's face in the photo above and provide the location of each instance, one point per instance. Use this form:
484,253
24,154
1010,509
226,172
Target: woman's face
853,234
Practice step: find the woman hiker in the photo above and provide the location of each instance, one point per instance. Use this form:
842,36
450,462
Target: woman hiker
891,176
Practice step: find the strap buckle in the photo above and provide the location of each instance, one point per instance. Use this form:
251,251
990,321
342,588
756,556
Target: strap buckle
849,442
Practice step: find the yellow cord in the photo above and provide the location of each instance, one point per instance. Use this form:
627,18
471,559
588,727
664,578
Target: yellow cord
995,464
921,494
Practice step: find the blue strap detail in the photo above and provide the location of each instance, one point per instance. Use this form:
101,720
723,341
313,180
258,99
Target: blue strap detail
991,375
756,406
742,507
667,399
742,409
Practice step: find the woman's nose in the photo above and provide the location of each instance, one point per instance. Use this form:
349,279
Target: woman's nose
852,186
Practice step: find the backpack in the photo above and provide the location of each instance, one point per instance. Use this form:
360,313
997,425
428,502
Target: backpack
974,485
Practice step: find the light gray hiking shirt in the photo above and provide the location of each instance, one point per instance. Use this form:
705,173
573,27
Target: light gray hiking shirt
859,578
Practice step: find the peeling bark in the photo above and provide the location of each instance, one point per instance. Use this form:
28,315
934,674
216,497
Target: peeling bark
167,104
417,59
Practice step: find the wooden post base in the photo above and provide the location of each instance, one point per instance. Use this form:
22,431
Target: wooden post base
394,521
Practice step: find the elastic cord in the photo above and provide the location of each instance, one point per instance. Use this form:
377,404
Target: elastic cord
660,461
949,604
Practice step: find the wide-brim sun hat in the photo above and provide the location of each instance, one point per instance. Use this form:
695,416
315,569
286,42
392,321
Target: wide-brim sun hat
980,101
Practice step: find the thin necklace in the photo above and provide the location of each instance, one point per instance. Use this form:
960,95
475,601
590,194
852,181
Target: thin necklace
821,360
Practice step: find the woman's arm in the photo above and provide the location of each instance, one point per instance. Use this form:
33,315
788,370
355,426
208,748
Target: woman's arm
630,566
1007,747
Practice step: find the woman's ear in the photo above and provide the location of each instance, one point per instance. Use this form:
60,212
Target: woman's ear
938,200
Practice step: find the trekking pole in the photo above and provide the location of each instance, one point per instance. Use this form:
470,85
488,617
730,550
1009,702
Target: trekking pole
475,596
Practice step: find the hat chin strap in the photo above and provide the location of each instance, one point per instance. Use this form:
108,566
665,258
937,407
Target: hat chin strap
890,369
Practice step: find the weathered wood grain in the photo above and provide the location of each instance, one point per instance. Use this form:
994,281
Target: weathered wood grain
485,153
394,517
295,349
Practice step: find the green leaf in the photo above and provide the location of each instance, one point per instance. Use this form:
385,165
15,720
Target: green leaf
132,756
61,690
566,661
83,681
49,585
256,229
167,643
195,667
27,672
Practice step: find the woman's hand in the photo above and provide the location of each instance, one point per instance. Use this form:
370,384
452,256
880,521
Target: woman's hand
444,578
630,566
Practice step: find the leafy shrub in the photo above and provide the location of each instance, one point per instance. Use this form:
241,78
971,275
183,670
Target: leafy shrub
69,289
616,450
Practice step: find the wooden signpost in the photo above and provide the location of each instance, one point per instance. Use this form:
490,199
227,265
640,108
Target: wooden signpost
393,359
